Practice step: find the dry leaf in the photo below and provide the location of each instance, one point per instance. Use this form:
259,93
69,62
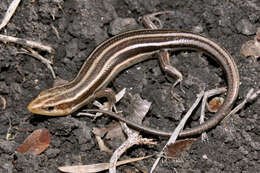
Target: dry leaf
36,143
215,103
174,150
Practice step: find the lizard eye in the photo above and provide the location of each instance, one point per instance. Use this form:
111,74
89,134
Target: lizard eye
50,108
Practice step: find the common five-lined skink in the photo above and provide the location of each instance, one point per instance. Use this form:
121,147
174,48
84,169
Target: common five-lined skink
122,51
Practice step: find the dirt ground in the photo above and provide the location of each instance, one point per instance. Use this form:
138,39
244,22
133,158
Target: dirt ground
74,28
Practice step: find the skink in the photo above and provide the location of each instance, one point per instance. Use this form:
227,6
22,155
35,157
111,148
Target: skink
122,51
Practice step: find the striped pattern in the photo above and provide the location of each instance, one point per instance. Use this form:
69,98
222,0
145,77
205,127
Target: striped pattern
122,51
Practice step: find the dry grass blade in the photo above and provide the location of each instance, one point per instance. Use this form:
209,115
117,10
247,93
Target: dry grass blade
9,13
24,42
45,61
96,167
178,129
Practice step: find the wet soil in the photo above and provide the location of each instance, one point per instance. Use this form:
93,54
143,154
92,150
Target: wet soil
74,28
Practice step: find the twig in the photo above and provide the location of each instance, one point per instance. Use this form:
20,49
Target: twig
9,13
9,136
133,139
102,145
41,58
27,43
3,102
140,109
203,105
178,129
56,31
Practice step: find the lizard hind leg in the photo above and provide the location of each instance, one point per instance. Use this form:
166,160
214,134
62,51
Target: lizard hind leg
166,66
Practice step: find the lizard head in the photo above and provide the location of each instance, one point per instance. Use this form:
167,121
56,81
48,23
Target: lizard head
51,103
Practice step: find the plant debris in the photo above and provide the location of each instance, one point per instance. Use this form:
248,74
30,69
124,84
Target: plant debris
215,104
97,167
9,13
251,48
36,143
174,150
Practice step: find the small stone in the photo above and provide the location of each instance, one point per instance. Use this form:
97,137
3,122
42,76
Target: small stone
52,153
243,150
197,29
72,48
251,48
7,146
83,134
122,24
245,27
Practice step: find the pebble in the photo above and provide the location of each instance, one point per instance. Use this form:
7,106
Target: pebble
120,25
245,27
